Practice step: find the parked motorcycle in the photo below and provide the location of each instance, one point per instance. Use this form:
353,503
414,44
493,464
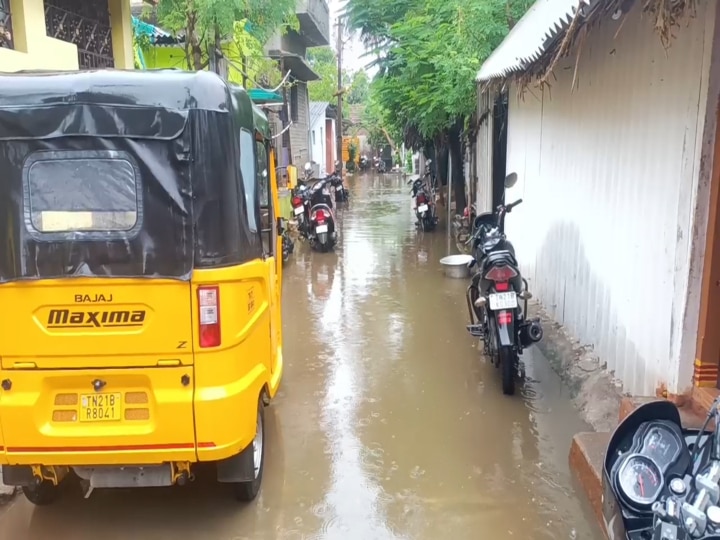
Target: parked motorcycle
364,163
321,231
300,202
380,165
307,172
288,246
424,194
342,194
492,297
662,481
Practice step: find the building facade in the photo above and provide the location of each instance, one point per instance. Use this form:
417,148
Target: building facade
615,157
322,138
65,34
290,50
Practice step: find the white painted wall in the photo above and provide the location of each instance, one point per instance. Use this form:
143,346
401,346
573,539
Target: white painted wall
317,145
609,175
333,147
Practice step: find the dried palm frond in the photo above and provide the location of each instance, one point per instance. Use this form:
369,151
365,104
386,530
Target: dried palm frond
667,14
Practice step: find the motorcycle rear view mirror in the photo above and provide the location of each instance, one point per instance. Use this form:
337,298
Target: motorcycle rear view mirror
511,180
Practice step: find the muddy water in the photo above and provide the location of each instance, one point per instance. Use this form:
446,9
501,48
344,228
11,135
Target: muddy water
389,424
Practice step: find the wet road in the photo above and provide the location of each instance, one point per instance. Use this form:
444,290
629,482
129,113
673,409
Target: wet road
389,424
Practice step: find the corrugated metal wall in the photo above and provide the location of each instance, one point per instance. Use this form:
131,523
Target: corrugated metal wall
484,154
608,175
299,131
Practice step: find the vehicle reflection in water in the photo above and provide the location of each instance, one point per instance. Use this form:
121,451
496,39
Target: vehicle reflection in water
389,423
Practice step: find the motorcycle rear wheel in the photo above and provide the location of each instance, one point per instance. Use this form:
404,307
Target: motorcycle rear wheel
507,359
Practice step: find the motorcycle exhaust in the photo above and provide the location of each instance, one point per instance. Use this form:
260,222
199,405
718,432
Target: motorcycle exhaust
530,333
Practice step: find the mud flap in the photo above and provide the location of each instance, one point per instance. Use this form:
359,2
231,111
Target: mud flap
505,322
18,475
23,475
239,468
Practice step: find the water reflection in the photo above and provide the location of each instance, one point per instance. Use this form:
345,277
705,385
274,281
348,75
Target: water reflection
389,423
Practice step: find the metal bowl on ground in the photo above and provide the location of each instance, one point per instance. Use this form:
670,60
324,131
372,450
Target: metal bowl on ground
456,266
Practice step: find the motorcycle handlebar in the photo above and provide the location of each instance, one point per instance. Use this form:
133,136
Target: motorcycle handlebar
508,207
513,205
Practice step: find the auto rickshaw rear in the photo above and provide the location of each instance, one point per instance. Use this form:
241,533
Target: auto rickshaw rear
112,244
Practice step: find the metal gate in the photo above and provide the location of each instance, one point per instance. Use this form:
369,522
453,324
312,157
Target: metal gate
85,24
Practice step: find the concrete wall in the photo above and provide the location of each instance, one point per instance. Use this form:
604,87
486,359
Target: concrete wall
34,50
318,145
609,174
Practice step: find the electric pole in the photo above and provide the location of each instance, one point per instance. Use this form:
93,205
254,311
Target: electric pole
338,120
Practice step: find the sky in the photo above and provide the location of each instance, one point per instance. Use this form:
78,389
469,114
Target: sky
353,49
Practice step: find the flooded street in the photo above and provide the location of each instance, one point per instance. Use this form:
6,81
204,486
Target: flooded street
389,423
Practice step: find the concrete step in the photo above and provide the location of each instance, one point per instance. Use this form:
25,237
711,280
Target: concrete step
587,454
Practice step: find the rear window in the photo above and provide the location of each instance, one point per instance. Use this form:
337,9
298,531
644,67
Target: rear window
93,192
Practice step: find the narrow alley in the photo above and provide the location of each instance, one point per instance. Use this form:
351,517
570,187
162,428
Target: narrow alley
389,424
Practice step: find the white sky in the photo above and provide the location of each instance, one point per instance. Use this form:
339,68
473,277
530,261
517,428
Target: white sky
353,49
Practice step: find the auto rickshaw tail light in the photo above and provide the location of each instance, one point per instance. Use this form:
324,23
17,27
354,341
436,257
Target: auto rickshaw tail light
209,316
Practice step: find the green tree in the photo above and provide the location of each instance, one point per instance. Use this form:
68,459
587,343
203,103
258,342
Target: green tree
359,88
208,23
324,62
428,53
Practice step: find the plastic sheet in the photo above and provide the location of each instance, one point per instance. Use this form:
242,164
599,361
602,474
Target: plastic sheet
121,174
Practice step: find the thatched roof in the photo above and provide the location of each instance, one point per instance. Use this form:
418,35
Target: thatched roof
550,30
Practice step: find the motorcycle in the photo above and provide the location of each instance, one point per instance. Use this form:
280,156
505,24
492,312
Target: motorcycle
288,246
342,194
301,210
492,297
364,163
380,165
662,481
321,226
424,195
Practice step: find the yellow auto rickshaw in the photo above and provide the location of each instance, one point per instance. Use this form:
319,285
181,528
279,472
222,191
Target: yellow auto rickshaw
140,330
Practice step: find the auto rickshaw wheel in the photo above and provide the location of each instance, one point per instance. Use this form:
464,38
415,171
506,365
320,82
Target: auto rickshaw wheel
42,494
247,491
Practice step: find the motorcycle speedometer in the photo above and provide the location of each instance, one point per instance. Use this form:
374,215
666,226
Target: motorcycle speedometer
640,480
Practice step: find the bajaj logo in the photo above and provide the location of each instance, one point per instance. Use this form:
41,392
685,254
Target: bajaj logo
65,318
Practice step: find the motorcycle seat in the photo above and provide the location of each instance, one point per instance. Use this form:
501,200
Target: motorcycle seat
501,256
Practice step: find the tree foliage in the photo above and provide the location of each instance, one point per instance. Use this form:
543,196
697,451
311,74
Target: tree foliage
206,23
429,52
324,62
359,91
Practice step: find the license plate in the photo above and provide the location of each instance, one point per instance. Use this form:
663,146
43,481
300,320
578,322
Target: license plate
503,300
299,210
321,229
100,407
423,208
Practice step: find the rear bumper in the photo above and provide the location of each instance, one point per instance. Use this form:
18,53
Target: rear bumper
179,421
